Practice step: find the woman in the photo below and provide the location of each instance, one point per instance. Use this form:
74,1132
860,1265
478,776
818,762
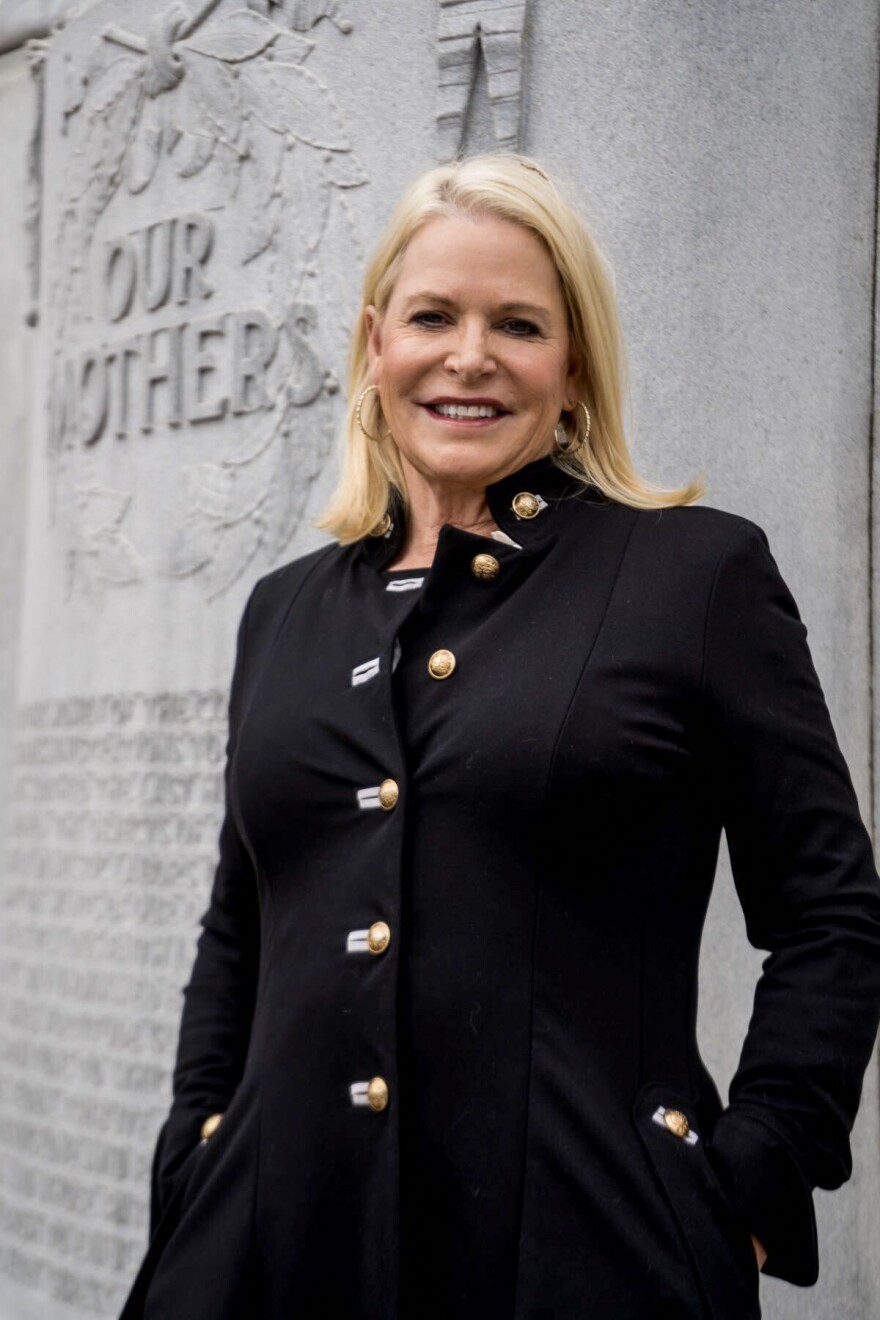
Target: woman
439,1039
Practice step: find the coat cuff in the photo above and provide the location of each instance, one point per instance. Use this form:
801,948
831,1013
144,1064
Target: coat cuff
767,1188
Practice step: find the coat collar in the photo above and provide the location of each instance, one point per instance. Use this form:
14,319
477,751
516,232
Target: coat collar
540,479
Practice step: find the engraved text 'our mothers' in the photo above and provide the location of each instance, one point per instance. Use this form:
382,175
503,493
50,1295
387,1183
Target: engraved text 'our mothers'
187,369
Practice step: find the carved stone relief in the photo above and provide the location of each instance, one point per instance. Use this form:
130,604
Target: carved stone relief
198,257
227,307
470,30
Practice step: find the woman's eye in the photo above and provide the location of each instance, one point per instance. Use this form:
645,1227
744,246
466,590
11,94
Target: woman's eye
521,329
429,319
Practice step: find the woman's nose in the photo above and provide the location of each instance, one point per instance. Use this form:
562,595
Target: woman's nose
470,356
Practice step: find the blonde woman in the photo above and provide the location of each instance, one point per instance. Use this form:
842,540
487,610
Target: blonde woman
438,1055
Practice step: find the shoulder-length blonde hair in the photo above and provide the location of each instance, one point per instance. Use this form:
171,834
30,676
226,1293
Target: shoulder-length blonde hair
514,188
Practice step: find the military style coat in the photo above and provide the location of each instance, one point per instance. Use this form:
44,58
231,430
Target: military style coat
446,987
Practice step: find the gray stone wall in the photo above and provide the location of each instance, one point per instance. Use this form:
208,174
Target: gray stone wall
203,213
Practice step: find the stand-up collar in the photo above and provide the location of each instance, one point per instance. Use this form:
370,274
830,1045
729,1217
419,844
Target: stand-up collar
523,504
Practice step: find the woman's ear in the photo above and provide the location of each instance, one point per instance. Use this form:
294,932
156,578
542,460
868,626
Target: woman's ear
373,323
572,382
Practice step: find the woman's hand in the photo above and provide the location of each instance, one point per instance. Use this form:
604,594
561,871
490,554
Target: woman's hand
760,1253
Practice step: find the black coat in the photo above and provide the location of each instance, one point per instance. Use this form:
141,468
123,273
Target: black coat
629,683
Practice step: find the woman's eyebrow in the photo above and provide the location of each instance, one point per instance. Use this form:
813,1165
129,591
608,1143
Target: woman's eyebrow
532,309
426,296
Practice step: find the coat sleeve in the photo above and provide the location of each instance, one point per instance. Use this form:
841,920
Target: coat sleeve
219,997
804,871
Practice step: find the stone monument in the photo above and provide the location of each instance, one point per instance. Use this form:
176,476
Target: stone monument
196,188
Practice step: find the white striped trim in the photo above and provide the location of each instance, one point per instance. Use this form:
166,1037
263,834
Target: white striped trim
357,942
404,584
362,673
369,797
507,540
690,1140
358,1093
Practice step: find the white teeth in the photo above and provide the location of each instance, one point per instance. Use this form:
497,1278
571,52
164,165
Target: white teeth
461,410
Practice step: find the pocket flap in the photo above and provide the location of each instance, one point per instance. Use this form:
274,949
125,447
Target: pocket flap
717,1241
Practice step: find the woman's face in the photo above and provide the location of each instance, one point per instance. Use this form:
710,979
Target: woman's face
477,322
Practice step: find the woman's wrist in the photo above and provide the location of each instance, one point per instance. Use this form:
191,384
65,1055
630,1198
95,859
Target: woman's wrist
760,1253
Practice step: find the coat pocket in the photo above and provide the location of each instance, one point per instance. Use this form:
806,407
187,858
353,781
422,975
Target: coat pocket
167,1222
717,1241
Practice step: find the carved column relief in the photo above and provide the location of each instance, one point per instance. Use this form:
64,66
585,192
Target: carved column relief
469,30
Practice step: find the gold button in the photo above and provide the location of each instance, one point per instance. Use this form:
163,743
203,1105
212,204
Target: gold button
210,1126
378,937
441,664
377,1093
485,567
677,1123
388,793
525,505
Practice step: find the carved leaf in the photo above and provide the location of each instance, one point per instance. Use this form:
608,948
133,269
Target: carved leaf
99,141
243,36
146,147
344,169
116,560
259,179
236,547
193,544
262,229
100,509
253,474
74,89
112,82
110,131
96,177
208,489
208,100
290,99
338,255
193,153
98,57
292,49
306,13
306,200
296,466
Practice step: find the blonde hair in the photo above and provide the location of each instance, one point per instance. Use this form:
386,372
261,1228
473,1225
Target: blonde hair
514,188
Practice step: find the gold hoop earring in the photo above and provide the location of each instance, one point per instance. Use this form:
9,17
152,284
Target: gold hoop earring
567,444
376,439
582,440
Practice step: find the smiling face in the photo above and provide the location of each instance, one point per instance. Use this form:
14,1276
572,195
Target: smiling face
472,355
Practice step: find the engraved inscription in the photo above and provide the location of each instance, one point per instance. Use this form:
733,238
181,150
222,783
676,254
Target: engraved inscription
117,804
115,388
